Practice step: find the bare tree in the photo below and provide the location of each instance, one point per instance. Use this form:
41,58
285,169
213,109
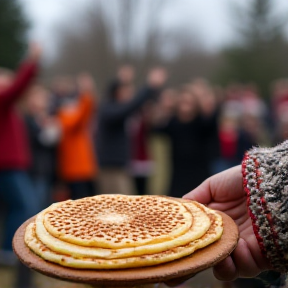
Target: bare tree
108,33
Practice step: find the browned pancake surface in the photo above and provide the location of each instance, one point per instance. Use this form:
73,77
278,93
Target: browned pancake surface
117,221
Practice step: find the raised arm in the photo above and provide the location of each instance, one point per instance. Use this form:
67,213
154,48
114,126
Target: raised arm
23,78
120,111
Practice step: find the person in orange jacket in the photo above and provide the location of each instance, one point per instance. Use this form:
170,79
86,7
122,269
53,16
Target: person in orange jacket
76,160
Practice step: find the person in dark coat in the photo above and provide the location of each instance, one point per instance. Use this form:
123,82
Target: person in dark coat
113,143
191,133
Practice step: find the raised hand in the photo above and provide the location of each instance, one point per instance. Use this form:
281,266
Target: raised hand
35,51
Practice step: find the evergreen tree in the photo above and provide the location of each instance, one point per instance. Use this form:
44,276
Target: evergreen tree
260,55
13,28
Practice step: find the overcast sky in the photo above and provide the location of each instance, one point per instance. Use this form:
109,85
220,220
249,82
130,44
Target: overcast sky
210,19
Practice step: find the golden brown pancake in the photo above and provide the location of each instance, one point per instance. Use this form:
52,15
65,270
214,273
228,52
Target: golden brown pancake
117,221
200,225
213,234
119,231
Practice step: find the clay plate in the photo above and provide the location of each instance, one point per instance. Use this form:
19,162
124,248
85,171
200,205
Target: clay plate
190,265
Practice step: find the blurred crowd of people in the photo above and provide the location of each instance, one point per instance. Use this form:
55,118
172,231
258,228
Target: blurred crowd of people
68,140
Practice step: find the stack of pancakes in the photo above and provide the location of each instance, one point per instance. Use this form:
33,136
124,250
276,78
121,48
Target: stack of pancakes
117,231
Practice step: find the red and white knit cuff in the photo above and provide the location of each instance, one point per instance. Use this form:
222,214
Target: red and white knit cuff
265,181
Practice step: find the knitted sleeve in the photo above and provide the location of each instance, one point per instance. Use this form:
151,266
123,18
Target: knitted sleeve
265,180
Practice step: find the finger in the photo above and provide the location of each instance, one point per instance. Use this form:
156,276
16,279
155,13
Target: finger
225,270
246,232
178,281
244,261
236,209
228,206
227,185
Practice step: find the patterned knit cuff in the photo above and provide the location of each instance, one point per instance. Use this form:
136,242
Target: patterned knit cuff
265,181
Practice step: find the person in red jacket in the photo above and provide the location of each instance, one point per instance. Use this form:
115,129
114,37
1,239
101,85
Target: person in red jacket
16,193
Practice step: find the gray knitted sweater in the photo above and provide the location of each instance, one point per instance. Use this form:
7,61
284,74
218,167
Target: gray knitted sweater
265,180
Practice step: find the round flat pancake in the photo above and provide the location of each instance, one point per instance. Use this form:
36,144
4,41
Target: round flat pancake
117,221
200,225
213,234
200,260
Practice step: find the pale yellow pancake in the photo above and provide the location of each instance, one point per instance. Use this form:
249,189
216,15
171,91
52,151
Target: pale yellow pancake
213,234
118,221
200,225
